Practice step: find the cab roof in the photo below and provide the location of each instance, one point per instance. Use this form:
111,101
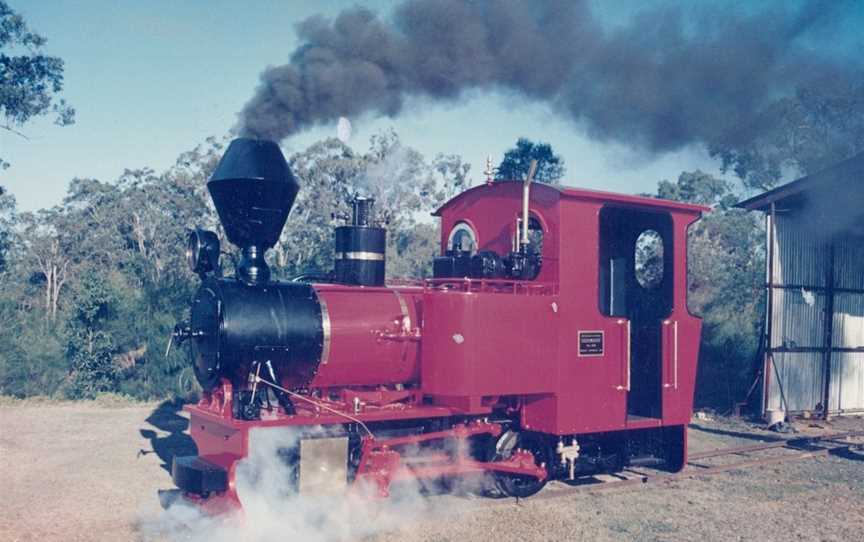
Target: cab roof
578,194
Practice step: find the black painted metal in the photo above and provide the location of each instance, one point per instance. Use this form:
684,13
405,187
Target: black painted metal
487,265
252,268
202,252
253,191
360,255
456,264
360,248
522,265
199,476
362,211
234,324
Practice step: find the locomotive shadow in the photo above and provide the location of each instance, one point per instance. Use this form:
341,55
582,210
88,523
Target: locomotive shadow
850,454
166,417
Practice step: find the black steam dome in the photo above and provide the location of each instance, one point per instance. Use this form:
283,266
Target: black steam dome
253,190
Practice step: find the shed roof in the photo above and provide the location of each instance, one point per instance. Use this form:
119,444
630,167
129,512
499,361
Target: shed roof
847,175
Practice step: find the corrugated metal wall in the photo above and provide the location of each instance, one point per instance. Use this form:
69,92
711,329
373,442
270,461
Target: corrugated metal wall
803,284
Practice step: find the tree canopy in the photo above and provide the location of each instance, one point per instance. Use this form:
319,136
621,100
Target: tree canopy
405,186
517,162
726,266
8,220
30,80
822,124
95,285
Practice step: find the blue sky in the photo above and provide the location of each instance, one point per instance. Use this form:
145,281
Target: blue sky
150,80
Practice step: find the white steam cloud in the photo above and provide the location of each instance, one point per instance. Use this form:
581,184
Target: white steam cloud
271,511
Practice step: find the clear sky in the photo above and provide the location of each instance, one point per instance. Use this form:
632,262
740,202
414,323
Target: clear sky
152,79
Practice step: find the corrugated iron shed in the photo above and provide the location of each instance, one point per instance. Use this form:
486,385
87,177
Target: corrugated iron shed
814,323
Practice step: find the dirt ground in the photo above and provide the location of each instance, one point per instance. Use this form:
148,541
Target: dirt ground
83,471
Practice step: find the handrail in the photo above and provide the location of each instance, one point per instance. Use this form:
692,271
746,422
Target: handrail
626,387
468,284
674,353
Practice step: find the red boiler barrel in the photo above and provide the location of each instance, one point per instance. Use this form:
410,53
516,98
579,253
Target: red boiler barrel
371,336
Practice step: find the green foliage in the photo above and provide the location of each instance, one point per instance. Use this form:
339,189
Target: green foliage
8,219
32,360
405,186
698,187
726,261
30,81
91,346
517,162
94,286
823,123
410,251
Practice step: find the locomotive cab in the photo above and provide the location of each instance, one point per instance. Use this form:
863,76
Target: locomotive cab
613,349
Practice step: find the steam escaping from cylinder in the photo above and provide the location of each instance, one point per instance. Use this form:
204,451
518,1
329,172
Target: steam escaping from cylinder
670,76
273,511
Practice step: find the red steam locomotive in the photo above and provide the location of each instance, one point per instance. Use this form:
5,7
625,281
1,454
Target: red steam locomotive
545,347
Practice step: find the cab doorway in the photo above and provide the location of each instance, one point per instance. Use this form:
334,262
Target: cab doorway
636,285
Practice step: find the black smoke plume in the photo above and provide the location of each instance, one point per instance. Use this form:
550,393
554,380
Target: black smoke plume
667,77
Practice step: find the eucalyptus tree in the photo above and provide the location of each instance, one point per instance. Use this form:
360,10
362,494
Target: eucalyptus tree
517,162
30,80
726,260
405,185
821,124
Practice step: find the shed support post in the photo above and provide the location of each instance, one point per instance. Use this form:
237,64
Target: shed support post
770,221
828,340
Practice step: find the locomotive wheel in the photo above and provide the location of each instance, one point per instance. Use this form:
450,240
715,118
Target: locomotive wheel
520,486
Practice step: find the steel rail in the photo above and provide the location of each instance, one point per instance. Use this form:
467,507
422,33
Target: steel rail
642,479
785,443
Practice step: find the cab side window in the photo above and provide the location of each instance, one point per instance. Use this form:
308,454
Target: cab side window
635,263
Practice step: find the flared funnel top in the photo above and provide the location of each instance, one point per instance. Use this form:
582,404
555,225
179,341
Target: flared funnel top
253,191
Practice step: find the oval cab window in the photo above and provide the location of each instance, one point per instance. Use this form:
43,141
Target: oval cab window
649,259
462,239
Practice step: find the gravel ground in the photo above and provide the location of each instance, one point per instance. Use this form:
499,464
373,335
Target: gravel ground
82,471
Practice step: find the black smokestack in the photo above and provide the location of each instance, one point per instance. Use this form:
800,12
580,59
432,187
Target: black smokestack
253,191
668,77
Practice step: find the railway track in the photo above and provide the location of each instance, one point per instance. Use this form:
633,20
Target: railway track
704,463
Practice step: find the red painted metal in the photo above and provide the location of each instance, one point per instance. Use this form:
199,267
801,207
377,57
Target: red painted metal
373,337
456,349
569,394
381,465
